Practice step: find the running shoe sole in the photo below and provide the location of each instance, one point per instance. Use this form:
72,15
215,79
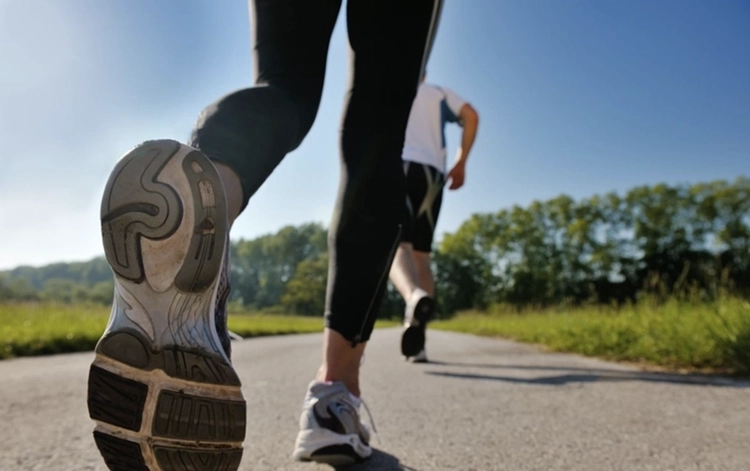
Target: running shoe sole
161,390
413,337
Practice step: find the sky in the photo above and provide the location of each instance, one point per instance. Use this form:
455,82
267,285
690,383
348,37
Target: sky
576,97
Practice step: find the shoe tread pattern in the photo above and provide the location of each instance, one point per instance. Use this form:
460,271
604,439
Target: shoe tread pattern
137,204
130,347
115,400
150,209
184,459
153,209
206,252
119,454
186,417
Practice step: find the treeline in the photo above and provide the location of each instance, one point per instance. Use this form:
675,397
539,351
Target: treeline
61,282
662,240
287,272
281,273
612,248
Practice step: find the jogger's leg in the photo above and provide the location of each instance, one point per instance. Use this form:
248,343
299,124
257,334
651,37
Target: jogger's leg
248,132
404,274
389,42
423,264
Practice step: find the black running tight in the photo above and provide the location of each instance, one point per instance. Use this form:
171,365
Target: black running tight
251,130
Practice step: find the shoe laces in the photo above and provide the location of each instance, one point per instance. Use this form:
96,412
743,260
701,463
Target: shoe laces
372,421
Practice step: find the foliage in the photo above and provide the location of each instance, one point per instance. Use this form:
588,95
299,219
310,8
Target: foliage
62,290
607,249
658,240
305,292
262,267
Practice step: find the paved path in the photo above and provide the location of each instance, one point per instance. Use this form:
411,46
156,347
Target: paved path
482,405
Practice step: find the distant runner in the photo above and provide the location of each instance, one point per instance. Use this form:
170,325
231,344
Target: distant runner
424,159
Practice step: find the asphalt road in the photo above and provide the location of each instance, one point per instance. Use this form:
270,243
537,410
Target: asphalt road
482,404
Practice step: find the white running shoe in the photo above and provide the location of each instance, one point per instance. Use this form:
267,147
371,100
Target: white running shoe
331,431
162,389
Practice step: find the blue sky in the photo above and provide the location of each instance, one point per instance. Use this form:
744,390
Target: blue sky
577,97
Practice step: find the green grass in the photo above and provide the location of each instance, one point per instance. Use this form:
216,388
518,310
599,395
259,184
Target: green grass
40,329
708,336
694,336
255,325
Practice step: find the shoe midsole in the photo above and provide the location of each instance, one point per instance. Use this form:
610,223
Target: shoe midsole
311,440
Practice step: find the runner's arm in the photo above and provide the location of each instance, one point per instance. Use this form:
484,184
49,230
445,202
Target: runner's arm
469,120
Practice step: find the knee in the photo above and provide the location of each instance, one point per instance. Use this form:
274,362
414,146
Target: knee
232,124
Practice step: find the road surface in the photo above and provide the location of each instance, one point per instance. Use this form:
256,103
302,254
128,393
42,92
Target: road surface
483,404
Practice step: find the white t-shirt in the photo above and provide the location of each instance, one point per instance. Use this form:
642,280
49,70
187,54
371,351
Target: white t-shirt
425,133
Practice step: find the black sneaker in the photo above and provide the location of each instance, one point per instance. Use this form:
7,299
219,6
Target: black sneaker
419,311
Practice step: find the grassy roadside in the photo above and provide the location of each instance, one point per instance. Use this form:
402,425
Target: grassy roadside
681,335
41,329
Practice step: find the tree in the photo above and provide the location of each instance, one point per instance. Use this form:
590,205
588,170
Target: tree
101,292
604,248
16,289
463,274
62,290
305,292
260,268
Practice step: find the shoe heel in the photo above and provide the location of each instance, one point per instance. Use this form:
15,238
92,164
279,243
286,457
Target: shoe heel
136,205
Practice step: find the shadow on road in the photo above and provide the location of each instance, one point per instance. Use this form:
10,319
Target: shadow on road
585,375
379,461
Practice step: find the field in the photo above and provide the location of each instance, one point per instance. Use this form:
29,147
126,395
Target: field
39,329
711,336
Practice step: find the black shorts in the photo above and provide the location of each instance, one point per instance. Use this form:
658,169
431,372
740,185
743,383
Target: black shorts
424,195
